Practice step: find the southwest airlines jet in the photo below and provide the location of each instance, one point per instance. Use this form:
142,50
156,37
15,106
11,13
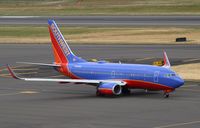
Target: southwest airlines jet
109,78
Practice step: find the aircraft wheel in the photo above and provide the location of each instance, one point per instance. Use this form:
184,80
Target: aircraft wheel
126,91
98,93
166,95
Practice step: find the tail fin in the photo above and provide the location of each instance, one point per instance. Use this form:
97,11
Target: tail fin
61,50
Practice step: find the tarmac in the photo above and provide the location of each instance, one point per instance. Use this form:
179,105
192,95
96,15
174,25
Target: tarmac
50,105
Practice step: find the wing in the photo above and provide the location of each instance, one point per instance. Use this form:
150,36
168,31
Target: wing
85,81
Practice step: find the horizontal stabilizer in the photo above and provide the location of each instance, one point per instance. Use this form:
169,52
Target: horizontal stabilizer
42,64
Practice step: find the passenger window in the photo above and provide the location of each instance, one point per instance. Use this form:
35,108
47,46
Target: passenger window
167,75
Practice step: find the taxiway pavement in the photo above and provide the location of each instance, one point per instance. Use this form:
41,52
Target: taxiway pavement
102,20
50,105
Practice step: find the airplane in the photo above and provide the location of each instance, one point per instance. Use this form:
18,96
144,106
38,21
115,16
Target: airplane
110,79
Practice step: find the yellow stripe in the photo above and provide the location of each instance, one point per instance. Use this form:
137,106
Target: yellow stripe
190,60
28,92
9,94
3,75
57,76
147,58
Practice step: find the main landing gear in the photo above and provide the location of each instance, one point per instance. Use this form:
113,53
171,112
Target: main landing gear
126,91
98,94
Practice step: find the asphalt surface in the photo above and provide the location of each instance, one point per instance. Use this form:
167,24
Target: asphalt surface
10,53
50,105
102,20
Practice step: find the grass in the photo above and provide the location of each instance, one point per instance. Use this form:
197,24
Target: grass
101,35
99,7
188,71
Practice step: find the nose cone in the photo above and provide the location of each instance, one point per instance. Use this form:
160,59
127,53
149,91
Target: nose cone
179,82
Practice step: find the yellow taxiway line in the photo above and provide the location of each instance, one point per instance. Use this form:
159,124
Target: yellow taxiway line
189,60
147,58
28,92
21,92
10,94
8,75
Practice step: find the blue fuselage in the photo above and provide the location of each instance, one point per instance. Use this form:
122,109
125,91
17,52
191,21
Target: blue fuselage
137,72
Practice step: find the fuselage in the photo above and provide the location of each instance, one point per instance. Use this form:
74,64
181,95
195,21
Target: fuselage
135,75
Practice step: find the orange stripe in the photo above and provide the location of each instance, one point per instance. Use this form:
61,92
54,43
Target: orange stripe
56,56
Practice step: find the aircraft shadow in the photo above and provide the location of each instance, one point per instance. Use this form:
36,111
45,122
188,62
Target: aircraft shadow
88,95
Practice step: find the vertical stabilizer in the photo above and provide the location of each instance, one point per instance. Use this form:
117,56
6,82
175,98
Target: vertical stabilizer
61,50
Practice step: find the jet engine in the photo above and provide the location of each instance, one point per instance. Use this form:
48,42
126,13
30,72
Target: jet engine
109,89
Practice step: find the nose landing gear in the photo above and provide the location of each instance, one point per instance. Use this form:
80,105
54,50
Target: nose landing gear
166,93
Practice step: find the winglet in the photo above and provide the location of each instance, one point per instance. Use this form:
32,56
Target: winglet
12,73
166,60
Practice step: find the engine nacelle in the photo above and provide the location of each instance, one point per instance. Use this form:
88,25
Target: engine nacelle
109,89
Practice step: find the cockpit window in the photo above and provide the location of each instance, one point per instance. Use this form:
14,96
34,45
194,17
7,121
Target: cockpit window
170,75
173,74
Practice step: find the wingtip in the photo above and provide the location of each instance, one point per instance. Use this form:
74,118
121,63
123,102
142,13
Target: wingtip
166,60
12,73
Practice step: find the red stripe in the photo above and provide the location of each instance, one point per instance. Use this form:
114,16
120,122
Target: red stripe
146,85
57,47
67,72
56,56
106,91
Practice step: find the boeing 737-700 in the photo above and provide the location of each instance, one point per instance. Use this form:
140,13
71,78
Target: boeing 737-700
109,78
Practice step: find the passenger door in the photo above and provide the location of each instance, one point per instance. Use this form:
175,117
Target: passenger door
156,76
113,74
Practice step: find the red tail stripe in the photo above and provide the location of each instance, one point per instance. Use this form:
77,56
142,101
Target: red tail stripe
56,56
57,47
